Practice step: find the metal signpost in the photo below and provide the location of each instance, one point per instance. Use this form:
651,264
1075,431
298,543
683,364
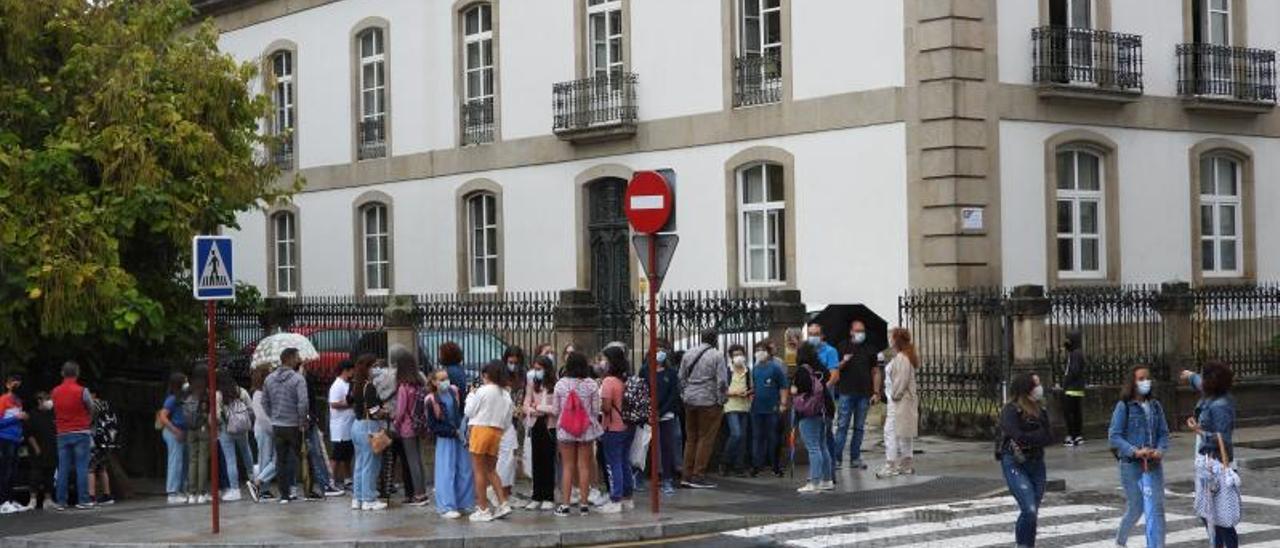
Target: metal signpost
212,280
649,203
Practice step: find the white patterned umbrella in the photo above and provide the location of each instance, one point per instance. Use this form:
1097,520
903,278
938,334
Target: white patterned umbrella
269,349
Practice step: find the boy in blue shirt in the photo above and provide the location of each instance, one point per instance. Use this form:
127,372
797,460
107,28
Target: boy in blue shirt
770,390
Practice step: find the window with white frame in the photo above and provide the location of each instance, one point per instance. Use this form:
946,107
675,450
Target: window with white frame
1221,217
1080,214
373,94
762,210
376,248
604,34
477,40
482,248
1217,22
285,236
760,28
282,96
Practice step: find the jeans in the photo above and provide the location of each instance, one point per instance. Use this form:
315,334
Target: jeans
175,464
197,461
851,407
8,465
266,456
364,477
735,446
764,437
315,458
829,425
1224,537
669,448
287,439
1140,500
703,423
233,445
1026,484
73,450
812,431
617,454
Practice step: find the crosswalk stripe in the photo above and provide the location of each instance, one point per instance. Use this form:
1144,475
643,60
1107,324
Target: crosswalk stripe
1248,499
1044,532
1139,540
932,527
878,516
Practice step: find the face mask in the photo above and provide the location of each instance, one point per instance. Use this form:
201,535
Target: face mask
1144,387
535,375
662,356
815,340
511,366
443,385
552,357
186,386
859,337
761,356
47,405
1037,393
601,367
739,361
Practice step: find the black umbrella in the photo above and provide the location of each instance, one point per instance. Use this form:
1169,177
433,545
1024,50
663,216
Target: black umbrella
835,321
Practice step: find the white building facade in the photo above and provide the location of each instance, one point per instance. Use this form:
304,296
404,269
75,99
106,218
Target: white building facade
850,149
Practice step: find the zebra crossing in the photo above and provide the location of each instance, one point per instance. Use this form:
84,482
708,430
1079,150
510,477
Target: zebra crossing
989,522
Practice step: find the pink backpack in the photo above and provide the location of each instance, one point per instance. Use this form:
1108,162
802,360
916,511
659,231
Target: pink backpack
573,417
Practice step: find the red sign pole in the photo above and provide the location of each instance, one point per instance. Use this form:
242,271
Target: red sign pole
654,487
213,414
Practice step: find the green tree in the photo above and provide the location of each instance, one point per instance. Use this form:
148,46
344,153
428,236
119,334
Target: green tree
123,133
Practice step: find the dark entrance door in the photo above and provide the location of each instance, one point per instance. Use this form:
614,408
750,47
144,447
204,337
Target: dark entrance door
607,238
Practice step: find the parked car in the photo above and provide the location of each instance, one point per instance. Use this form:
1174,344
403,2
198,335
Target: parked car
478,348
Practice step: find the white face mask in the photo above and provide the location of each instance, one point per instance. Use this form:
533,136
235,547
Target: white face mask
186,386
1144,387
1037,393
761,356
739,361
860,337
47,405
815,340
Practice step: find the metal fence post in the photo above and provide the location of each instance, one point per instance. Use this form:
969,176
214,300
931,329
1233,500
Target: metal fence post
577,321
1175,304
397,319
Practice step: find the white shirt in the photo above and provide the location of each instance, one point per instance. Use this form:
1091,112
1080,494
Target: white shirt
489,406
340,420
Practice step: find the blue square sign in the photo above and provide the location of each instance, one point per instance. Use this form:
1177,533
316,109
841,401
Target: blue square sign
211,273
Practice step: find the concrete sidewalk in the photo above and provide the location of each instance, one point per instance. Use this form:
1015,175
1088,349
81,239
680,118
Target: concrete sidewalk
949,471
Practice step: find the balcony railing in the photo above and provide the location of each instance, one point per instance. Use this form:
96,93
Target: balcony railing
596,106
1088,58
282,152
757,80
477,121
372,139
1227,73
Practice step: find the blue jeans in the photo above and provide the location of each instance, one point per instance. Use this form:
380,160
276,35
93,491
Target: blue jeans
232,445
735,446
764,428
175,464
8,466
73,450
850,407
1026,484
1141,499
669,448
315,455
811,430
617,456
364,478
266,457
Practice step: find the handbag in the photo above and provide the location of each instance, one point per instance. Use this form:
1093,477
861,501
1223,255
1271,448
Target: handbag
1217,498
378,441
639,453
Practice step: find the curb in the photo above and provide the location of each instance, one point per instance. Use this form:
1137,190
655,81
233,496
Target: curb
1260,463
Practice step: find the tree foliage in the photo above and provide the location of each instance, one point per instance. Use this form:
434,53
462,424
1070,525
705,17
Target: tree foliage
123,133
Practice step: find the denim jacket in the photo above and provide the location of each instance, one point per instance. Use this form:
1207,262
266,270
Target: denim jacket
1216,416
1139,431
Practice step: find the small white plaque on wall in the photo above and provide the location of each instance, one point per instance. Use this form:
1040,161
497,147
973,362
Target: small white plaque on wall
971,218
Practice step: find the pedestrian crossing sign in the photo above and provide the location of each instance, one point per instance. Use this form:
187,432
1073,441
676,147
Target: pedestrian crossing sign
211,274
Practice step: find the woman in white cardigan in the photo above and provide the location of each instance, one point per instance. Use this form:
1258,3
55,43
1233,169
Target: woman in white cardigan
901,424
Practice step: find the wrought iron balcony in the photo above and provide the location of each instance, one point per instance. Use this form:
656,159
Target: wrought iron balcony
372,142
1077,62
757,80
477,121
282,152
1245,77
596,108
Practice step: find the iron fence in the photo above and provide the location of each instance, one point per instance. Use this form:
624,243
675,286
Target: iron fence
477,119
1119,327
372,138
484,326
1236,73
607,100
757,80
964,342
1239,325
1087,57
741,317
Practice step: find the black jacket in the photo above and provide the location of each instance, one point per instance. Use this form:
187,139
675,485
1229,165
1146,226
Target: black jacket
1032,434
1073,377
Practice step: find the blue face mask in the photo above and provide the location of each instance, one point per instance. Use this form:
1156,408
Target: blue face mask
1144,387
815,340
443,386
535,375
662,356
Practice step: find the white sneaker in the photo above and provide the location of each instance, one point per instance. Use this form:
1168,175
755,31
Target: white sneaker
533,506
191,499
451,514
7,508
202,499
887,471
628,504
610,508
502,511
231,495
808,488
596,498
177,499
827,486
355,504
482,515
547,506
375,505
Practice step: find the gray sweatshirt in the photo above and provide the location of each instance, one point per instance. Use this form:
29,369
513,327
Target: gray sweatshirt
704,382
284,397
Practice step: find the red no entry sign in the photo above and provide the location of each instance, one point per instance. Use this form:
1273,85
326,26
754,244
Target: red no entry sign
648,202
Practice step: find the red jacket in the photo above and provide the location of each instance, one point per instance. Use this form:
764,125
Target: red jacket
70,412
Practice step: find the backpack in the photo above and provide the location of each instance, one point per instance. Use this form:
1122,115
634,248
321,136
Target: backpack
812,404
196,410
418,412
573,417
239,417
635,401
439,423
106,426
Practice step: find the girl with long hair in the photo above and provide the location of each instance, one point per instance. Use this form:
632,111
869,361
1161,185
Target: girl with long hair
1139,436
616,440
811,409
410,389
540,421
1025,431
578,402
367,406
173,427
454,480
488,411
235,402
1214,421
902,415
514,359
262,435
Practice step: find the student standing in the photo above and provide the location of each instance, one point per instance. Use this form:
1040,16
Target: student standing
106,439
42,439
769,381
902,416
411,393
72,416
668,401
811,407
322,484
455,484
284,398
540,422
510,448
11,419
857,382
233,437
618,435
366,406
262,434
341,418
173,428
1139,436
1025,431
737,409
195,405
1215,418
488,412
704,384
578,411
1073,385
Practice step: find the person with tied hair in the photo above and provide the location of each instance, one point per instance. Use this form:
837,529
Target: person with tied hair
1024,433
173,428
901,424
488,411
1215,418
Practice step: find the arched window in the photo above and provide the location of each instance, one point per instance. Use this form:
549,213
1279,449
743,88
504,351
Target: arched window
1080,213
762,226
477,74
376,248
482,241
282,93
1221,215
372,129
284,239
